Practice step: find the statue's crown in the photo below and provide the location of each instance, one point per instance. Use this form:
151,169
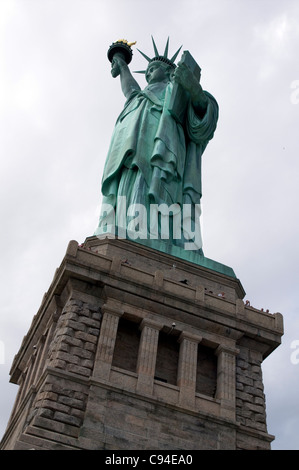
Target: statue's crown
160,58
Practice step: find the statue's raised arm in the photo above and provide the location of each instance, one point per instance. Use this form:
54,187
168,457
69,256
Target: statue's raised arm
120,55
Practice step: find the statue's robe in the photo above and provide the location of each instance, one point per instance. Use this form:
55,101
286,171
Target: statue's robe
152,158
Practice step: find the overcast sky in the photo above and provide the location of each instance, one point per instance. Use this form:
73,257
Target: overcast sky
58,106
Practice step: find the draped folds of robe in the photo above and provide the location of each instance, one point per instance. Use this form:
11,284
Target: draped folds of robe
152,158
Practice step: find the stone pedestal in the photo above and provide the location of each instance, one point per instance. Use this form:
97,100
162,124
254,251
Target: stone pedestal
137,349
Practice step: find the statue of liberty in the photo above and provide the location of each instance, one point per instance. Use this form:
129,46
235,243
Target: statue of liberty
154,159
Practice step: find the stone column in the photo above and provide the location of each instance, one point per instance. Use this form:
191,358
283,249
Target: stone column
147,355
226,380
187,368
108,332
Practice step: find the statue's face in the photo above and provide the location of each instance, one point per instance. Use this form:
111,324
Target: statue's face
157,72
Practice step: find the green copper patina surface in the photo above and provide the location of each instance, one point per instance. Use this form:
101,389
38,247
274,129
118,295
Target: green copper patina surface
157,145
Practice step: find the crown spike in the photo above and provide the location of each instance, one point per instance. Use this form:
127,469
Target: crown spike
166,48
176,54
155,48
159,57
145,56
140,71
